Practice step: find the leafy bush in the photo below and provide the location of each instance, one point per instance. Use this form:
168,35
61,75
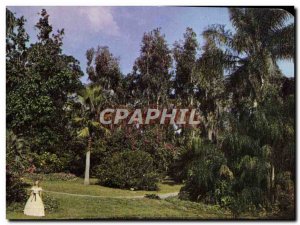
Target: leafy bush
51,204
154,140
179,168
16,207
49,162
151,140
51,176
15,189
128,169
285,195
16,159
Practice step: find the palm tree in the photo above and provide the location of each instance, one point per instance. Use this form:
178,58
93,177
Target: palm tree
91,100
261,38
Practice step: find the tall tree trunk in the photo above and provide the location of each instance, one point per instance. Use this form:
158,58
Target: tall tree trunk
210,134
191,100
87,163
273,183
191,105
157,101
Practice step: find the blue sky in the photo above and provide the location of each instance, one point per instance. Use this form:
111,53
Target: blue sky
122,28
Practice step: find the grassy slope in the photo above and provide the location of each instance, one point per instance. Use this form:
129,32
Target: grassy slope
107,208
77,187
76,207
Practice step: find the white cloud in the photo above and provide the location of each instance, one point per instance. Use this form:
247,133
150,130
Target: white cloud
100,19
78,22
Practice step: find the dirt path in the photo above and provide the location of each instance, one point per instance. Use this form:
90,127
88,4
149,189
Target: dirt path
167,195
162,196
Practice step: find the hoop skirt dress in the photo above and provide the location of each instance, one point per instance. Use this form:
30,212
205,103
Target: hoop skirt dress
34,205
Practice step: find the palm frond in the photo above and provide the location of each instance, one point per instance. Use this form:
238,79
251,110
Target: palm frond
217,33
83,133
95,124
282,42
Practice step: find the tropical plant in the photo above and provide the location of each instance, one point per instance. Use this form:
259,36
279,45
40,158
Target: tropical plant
206,169
261,37
90,99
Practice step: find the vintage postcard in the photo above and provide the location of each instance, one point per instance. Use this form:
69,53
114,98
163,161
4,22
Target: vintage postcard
150,113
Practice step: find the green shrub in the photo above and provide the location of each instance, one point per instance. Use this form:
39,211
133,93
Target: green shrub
49,162
51,176
152,140
16,207
15,189
128,169
51,204
179,168
16,163
285,190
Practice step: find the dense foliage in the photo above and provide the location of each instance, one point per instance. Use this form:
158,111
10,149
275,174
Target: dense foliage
128,169
40,81
16,163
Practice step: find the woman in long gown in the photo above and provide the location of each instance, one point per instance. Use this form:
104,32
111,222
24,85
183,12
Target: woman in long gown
34,205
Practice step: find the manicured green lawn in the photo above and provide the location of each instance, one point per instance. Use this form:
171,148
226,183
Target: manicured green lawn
84,207
108,208
77,187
